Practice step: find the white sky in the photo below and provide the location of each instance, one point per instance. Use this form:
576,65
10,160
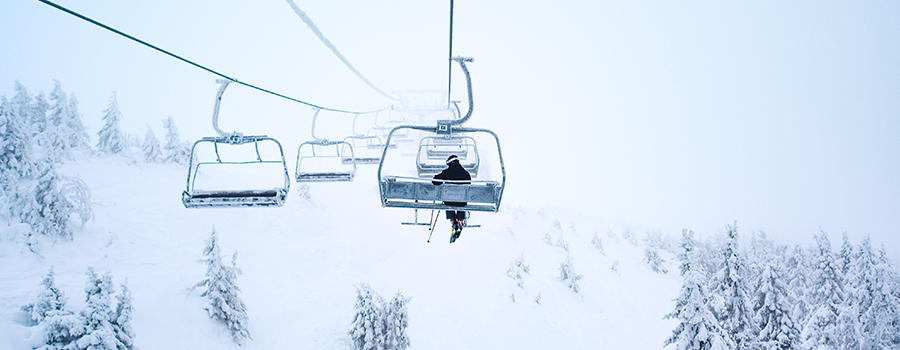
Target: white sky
653,115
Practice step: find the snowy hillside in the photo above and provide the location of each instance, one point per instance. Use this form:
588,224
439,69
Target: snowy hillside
301,263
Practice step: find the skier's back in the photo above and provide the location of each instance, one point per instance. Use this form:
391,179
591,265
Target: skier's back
455,173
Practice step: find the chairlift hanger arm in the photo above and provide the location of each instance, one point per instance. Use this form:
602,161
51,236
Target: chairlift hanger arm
462,63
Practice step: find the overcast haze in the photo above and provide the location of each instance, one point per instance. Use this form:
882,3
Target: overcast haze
652,115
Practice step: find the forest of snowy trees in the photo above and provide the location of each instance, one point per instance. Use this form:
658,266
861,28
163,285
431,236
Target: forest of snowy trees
37,134
779,297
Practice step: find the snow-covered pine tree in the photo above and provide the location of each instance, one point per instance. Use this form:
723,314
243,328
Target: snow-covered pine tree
798,280
845,258
568,276
110,138
16,156
367,330
176,151
121,323
39,113
225,304
79,138
99,314
688,245
822,329
730,293
45,209
772,313
23,105
698,328
874,296
395,322
656,262
150,148
57,131
50,300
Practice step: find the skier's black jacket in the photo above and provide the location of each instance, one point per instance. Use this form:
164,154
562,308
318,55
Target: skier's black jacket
454,171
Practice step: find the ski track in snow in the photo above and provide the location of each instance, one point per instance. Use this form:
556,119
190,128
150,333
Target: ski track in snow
301,262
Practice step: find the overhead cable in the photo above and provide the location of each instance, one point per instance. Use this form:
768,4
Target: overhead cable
315,29
73,13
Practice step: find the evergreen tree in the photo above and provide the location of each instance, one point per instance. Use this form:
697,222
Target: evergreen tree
39,115
225,304
656,262
23,106
395,322
150,147
698,328
45,209
822,330
730,292
176,151
99,314
568,276
16,156
121,323
110,138
78,135
57,132
798,284
50,300
772,313
367,329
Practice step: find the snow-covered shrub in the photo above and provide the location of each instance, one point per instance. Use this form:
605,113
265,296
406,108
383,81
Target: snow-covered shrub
122,321
110,138
49,206
379,325
560,243
225,304
99,314
150,147
50,300
175,150
656,262
597,242
396,320
100,325
567,275
367,329
516,269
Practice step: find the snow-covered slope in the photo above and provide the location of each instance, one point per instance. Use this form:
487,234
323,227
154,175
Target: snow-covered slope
301,263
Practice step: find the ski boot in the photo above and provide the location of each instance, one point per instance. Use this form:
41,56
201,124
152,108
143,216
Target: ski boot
457,229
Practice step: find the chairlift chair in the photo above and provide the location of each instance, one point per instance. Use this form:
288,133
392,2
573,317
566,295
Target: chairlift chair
434,150
368,145
197,196
314,167
422,193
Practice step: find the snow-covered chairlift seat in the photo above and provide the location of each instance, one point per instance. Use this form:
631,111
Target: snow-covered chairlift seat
318,168
198,198
418,193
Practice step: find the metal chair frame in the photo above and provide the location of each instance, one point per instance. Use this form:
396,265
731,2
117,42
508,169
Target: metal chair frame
192,198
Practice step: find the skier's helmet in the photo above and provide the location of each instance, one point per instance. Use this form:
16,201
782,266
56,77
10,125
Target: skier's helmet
451,159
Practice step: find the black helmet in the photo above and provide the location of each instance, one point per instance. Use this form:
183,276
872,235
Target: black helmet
452,158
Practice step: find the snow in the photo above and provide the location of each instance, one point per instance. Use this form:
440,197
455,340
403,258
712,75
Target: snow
301,263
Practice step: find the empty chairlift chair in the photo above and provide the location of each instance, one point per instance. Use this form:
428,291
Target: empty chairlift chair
230,170
434,150
316,164
368,146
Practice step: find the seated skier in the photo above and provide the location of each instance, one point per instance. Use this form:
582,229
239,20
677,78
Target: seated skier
457,174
